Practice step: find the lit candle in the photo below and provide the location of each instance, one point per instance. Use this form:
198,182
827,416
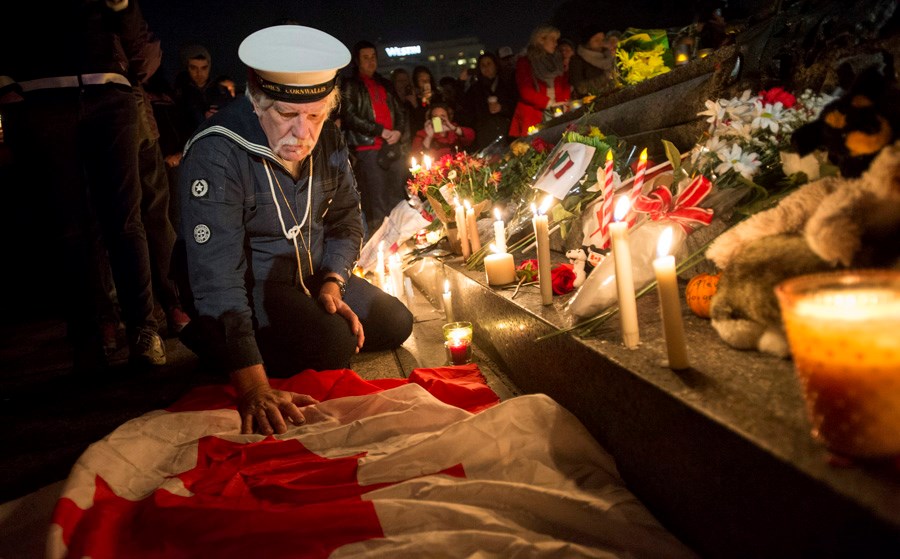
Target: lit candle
396,270
414,166
461,230
499,232
472,228
448,307
618,231
459,351
499,268
638,184
844,334
458,342
379,265
669,302
542,238
427,161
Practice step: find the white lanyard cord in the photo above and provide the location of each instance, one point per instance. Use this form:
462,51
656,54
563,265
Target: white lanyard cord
295,231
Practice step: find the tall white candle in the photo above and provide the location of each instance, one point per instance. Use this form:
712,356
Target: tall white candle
670,303
542,237
618,231
379,265
396,268
461,230
499,232
448,307
499,267
472,228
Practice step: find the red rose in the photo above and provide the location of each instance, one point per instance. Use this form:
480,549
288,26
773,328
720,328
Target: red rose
528,269
563,279
540,145
777,95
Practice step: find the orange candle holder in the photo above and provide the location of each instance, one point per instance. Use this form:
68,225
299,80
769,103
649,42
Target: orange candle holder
843,329
458,342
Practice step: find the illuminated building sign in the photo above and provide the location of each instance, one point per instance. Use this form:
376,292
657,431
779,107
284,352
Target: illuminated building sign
403,51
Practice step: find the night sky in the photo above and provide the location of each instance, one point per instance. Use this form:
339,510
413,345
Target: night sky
221,25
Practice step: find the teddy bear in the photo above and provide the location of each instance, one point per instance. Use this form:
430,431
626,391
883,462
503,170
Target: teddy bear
835,222
854,127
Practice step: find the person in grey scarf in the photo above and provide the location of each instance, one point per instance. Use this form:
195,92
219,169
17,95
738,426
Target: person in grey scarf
592,69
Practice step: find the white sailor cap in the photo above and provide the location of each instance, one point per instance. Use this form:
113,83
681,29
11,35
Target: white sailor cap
294,63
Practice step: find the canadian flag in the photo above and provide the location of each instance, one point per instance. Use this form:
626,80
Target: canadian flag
432,466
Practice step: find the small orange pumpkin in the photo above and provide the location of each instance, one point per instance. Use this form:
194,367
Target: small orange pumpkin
699,292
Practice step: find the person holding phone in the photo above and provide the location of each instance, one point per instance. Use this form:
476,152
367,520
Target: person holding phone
441,135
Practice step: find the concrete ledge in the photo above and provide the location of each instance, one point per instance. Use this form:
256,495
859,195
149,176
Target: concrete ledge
721,453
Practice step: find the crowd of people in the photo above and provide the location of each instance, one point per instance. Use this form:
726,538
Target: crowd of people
235,220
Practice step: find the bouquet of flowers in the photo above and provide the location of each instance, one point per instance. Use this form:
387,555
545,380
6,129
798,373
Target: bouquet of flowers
748,144
451,179
741,166
643,54
581,148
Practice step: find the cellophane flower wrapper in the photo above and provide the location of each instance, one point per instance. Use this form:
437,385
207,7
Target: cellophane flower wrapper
518,213
598,292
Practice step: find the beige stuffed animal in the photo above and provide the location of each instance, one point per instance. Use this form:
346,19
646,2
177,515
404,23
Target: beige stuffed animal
830,223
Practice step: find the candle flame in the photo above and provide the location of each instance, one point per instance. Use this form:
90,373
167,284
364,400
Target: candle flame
532,130
609,155
427,160
644,156
546,203
621,209
534,209
664,243
446,286
497,214
467,205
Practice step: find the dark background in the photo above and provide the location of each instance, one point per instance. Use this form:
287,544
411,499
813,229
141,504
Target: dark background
221,25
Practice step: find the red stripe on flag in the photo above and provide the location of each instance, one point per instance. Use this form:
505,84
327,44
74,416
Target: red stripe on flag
569,164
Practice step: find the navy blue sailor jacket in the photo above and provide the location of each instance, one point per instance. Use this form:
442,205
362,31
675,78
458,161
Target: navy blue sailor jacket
237,203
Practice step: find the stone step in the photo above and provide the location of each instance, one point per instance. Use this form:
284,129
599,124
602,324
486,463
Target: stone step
721,453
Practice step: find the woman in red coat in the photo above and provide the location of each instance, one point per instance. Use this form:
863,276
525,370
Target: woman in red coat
542,81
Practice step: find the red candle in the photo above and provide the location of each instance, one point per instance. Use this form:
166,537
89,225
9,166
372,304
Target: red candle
459,351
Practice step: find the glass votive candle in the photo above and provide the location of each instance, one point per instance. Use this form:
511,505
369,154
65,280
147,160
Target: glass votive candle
843,329
458,342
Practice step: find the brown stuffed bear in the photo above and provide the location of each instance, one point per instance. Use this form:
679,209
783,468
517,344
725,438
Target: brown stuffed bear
830,223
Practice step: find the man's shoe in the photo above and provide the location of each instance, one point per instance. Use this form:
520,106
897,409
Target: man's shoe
147,348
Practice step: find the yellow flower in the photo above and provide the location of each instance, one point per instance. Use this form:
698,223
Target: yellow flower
595,132
519,148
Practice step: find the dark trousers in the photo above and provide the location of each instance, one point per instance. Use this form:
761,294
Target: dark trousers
81,147
294,333
379,189
155,198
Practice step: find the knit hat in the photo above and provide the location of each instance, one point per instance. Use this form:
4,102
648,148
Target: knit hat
191,52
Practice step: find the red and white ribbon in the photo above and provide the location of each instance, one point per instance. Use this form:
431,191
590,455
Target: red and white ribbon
682,209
